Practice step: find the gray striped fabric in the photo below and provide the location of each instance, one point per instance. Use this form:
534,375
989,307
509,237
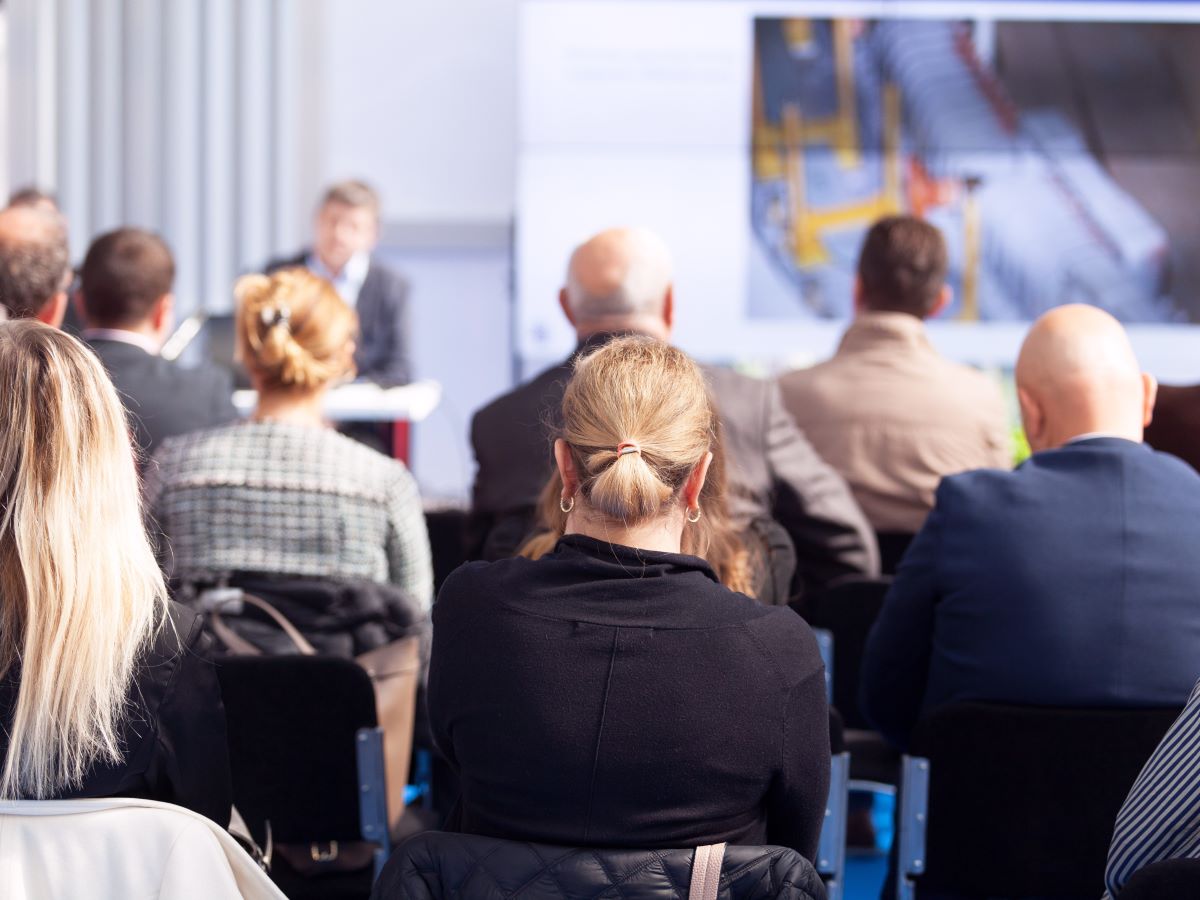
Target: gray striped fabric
1160,818
288,499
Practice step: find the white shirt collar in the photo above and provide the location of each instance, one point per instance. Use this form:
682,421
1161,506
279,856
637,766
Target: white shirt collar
1092,435
121,336
350,281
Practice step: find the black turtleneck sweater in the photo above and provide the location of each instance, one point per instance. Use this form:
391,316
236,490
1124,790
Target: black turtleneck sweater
608,696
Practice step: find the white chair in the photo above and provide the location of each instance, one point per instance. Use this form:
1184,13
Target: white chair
114,849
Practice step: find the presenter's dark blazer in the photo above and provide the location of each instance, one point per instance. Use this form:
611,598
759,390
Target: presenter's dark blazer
162,398
382,352
1073,580
773,471
1176,425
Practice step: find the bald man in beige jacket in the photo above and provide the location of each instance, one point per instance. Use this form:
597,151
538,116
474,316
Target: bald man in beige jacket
887,411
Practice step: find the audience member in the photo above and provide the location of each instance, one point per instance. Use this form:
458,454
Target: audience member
1071,581
34,268
105,690
1175,428
34,198
126,303
724,549
890,413
284,494
1160,818
619,282
346,231
613,693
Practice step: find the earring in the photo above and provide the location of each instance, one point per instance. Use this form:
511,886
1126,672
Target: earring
689,515
566,504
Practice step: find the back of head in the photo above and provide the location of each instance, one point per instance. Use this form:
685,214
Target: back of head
33,259
353,193
125,273
642,391
294,332
80,590
34,197
902,266
1077,374
617,279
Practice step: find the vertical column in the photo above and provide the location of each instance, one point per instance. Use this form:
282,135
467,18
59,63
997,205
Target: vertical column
285,235
141,77
31,93
74,138
180,117
255,144
217,132
106,143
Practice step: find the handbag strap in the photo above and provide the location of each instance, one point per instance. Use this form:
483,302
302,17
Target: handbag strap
239,644
706,872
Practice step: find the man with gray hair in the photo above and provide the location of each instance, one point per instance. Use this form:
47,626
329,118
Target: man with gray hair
620,282
34,264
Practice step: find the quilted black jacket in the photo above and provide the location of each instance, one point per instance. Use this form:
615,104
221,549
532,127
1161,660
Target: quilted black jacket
436,865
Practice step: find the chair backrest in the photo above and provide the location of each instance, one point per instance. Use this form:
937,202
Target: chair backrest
1169,879
435,865
117,848
847,609
892,547
1022,800
293,726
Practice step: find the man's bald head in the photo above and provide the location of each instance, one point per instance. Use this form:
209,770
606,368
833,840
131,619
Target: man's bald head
33,263
620,280
1077,374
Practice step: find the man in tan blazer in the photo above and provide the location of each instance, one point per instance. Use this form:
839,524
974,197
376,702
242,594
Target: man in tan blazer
887,411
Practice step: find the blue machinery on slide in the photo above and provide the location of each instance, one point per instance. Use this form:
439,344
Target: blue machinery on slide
853,120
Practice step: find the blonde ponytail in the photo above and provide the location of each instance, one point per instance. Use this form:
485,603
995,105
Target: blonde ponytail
294,331
658,397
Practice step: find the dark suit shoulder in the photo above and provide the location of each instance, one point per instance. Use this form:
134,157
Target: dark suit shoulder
287,262
524,403
739,397
390,279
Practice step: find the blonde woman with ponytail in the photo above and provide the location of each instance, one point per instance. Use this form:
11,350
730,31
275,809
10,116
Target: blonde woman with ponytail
613,692
104,686
285,495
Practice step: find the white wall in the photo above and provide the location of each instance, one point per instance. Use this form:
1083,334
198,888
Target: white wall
421,96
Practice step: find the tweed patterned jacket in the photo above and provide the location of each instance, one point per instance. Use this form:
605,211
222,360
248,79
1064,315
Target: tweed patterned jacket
287,499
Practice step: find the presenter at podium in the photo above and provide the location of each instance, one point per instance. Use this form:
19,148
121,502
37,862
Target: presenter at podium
346,230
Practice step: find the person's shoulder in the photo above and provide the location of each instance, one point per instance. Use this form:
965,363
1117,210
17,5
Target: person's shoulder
391,278
181,631
181,451
287,262
520,401
474,588
978,391
787,641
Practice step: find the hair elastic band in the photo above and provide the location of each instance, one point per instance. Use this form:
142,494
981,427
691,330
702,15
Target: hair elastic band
628,447
273,316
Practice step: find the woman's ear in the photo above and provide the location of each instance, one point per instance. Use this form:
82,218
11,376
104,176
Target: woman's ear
566,468
695,482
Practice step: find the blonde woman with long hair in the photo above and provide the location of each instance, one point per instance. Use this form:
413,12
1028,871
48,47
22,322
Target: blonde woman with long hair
104,686
614,692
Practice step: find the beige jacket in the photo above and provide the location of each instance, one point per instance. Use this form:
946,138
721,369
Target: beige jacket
893,416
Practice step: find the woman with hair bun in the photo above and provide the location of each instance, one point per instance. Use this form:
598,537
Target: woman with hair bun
284,494
613,692
105,690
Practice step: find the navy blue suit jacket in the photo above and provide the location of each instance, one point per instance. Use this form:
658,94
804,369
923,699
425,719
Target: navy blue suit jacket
1073,580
